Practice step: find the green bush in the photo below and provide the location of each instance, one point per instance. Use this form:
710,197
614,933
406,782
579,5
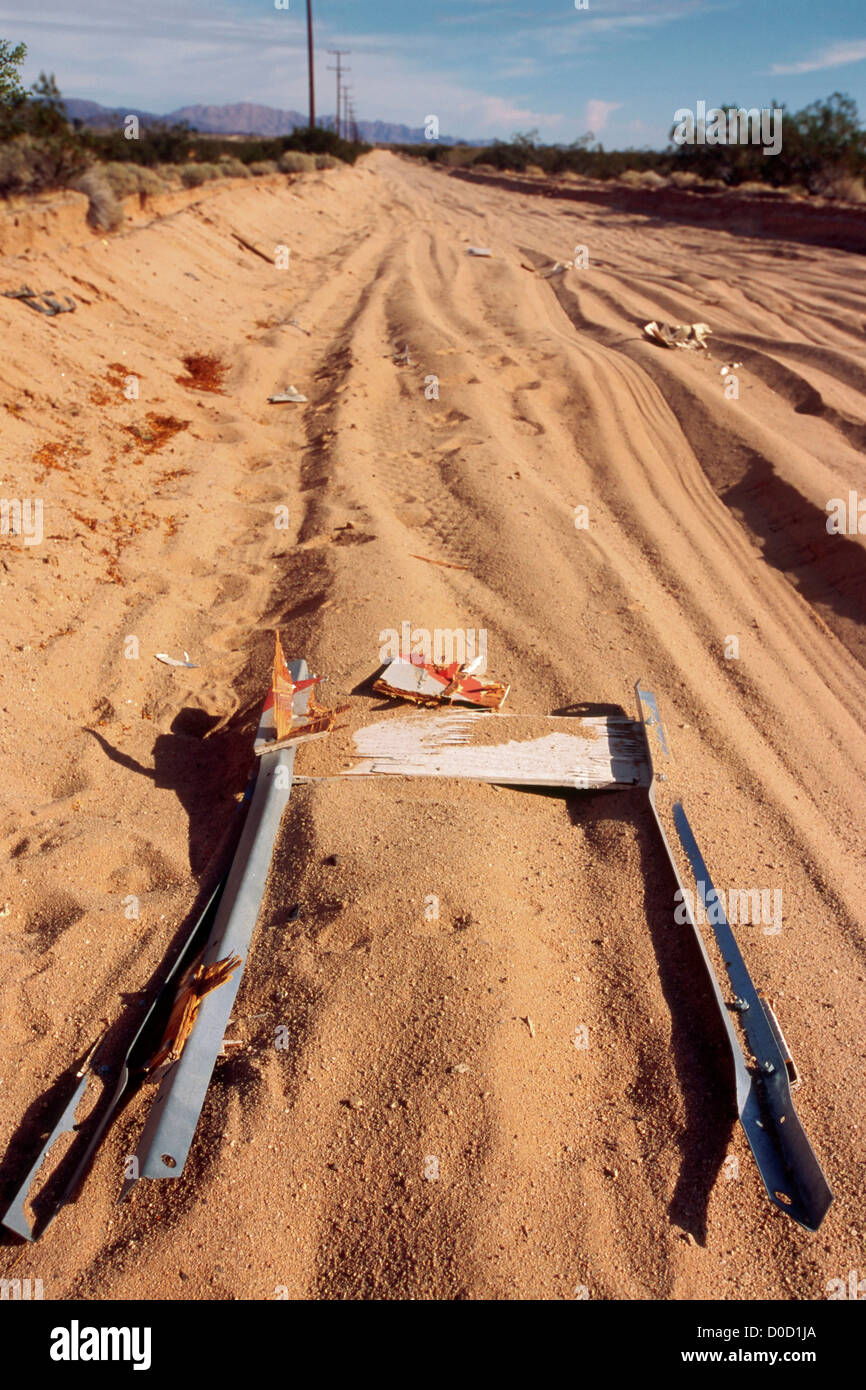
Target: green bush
321,141
823,150
824,141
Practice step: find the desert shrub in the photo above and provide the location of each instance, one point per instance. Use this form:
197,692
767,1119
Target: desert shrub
128,179
231,168
122,179
169,174
849,187
28,164
456,156
194,175
822,140
684,178
322,141
260,167
642,178
327,161
104,212
53,152
149,181
761,190
16,166
502,156
296,162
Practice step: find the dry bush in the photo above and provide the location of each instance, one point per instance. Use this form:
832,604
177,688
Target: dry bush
232,168
29,164
122,179
457,156
105,212
296,162
327,161
127,179
756,188
17,172
260,167
535,169
149,181
642,178
194,175
849,187
685,178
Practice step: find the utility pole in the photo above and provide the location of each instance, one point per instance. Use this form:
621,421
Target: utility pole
310,64
346,92
338,53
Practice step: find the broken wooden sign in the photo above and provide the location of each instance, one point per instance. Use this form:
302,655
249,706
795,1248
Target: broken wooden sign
508,749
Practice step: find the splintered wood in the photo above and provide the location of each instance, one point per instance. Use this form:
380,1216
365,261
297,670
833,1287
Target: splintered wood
290,727
194,984
284,691
426,683
512,750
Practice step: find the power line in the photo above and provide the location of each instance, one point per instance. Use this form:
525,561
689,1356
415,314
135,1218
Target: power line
310,63
339,53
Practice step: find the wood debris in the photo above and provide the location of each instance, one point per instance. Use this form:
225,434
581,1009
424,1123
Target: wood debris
289,727
445,564
196,982
426,683
512,750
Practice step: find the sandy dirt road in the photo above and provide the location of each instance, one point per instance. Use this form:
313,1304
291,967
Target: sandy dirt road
430,1130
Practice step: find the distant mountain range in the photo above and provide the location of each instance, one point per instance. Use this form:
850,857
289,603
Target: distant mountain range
242,118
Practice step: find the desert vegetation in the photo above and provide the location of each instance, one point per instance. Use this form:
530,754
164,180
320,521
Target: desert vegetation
823,152
40,149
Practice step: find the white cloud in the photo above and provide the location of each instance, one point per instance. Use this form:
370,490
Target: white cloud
574,34
597,112
495,113
848,51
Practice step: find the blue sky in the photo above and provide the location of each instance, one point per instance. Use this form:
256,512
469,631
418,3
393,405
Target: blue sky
485,67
